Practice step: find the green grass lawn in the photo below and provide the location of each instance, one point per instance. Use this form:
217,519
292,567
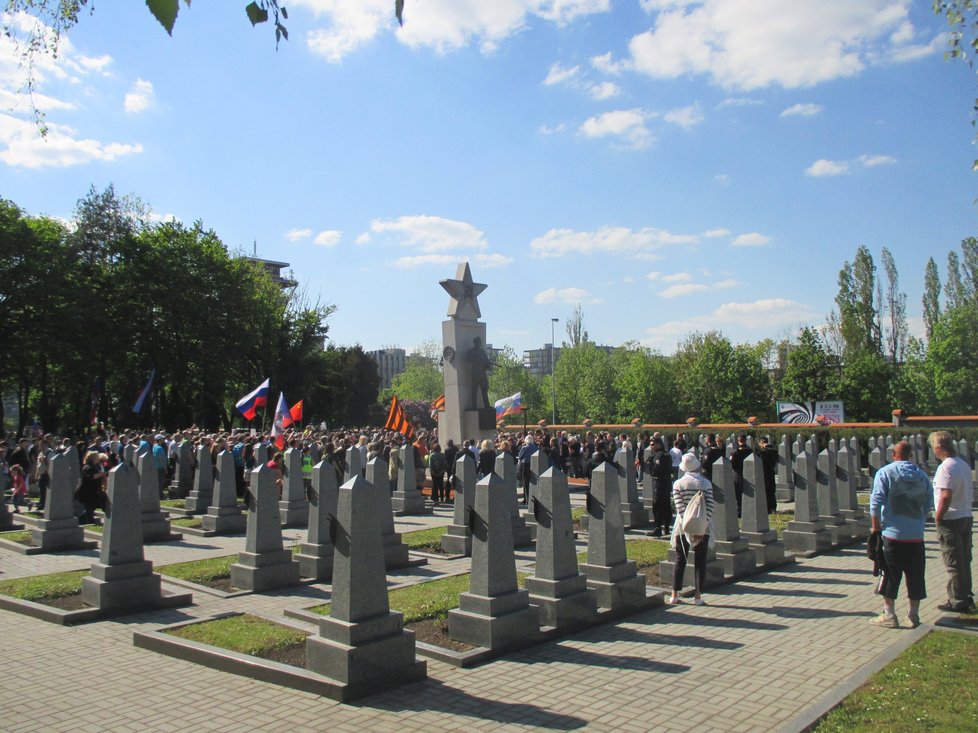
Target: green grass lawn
173,503
431,600
643,552
424,539
200,571
930,687
187,522
577,513
779,521
18,535
245,634
40,588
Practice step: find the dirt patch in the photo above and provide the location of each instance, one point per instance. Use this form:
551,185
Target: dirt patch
435,632
73,602
221,584
430,549
651,573
294,655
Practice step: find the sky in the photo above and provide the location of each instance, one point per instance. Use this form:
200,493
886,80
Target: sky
670,165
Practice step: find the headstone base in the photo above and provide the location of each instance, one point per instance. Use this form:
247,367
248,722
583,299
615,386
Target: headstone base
396,553
615,586
523,534
736,558
839,532
57,535
563,602
115,588
409,503
784,492
7,523
457,540
156,528
266,571
634,515
197,503
294,513
807,538
315,561
496,622
857,523
224,520
769,549
368,656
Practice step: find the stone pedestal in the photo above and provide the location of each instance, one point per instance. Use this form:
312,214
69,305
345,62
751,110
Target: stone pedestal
264,564
123,580
316,553
396,553
557,587
224,516
362,644
633,513
407,500
715,568
293,508
59,529
784,487
506,470
807,534
494,613
202,495
610,574
733,554
457,539
755,526
183,477
828,501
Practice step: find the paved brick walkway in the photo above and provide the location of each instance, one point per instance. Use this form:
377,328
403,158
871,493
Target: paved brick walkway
762,656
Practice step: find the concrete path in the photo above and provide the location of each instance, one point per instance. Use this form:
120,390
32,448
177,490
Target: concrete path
766,654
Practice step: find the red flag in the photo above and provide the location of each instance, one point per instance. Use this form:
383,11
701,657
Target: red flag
296,411
397,420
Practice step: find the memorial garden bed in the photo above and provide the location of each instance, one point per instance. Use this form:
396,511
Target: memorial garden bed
194,522
251,635
59,590
20,536
928,687
425,540
211,572
647,555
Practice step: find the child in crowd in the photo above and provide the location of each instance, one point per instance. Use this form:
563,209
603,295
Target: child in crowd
19,487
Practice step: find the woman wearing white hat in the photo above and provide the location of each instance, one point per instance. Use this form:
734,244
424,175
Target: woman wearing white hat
683,492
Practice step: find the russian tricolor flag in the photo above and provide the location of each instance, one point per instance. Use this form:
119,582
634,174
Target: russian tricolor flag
282,420
249,404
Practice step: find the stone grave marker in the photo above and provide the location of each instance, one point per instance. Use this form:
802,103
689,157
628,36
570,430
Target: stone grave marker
732,551
407,500
846,483
457,539
557,586
506,470
316,553
203,492
610,574
265,564
362,643
293,507
828,500
156,524
224,516
756,527
59,530
633,513
807,534
183,475
785,482
396,553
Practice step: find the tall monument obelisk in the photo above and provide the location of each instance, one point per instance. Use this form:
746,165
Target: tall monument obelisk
467,412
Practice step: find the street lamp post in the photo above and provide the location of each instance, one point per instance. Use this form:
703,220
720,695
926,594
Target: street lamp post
553,376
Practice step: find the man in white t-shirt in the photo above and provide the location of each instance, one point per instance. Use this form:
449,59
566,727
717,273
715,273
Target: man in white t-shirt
953,496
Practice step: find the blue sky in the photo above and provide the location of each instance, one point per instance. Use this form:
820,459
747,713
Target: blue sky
671,165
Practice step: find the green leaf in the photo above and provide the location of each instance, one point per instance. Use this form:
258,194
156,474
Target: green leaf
165,11
285,13
255,13
399,11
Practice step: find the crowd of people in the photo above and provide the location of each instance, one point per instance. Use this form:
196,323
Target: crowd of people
901,500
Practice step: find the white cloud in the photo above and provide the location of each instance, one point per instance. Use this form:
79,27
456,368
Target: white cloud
676,291
806,109
294,235
430,234
558,74
447,260
654,275
603,90
874,161
718,232
751,239
739,102
752,44
328,238
626,124
685,117
765,315
20,145
823,168
604,64
677,277
556,129
725,284
140,98
722,179
616,240
569,296
492,260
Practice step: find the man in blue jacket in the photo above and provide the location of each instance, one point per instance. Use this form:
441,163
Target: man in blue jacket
898,508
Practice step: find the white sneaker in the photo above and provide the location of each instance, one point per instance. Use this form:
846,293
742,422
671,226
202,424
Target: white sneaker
699,602
674,600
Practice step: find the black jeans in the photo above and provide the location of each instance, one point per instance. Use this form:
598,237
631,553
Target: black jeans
699,562
955,538
903,558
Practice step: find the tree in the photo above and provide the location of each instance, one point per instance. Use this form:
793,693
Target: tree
954,292
806,370
347,390
576,333
858,322
422,377
864,385
951,353
969,263
509,377
912,388
646,386
896,309
931,297
584,384
962,17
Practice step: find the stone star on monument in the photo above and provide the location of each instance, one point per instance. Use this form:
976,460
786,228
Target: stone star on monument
464,292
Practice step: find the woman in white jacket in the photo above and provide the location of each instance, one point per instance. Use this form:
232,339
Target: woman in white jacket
683,491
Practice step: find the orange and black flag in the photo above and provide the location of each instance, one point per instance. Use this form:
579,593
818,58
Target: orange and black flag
438,404
397,420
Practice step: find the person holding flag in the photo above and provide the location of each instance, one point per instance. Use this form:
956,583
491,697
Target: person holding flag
282,420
